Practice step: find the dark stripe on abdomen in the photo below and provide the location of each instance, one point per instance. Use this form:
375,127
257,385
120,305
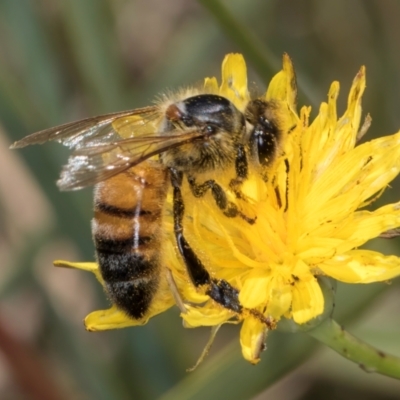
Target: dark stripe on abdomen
117,246
125,266
120,212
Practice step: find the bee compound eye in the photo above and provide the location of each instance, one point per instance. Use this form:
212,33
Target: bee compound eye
264,146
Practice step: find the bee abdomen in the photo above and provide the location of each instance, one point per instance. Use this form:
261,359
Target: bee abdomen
127,234
133,297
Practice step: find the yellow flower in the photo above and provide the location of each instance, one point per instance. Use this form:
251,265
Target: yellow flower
310,213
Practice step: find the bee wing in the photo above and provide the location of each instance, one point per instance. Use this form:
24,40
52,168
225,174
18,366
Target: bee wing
98,130
89,165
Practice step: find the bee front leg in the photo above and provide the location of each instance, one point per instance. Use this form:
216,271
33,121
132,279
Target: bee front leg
229,208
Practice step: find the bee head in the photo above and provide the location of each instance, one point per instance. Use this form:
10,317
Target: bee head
217,118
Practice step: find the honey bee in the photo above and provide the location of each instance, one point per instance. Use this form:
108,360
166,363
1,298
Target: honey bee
133,157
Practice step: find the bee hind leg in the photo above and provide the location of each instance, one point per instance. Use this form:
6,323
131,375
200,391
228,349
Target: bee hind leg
221,291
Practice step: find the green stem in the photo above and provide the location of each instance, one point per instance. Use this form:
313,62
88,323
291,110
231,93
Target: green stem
264,62
367,357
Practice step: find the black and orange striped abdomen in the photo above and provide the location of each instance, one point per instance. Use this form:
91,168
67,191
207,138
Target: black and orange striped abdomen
127,234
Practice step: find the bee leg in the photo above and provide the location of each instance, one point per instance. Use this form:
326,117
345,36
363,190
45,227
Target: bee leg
175,292
242,170
204,353
228,208
219,290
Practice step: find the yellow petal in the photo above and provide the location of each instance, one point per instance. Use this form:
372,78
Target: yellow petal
234,80
254,291
355,177
252,339
110,319
320,141
362,266
366,225
308,301
84,266
351,118
345,234
283,85
211,85
280,297
206,316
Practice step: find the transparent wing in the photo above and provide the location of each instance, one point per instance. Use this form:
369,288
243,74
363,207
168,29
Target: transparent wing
106,145
90,165
98,130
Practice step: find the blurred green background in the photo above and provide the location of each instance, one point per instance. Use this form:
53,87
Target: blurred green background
61,60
